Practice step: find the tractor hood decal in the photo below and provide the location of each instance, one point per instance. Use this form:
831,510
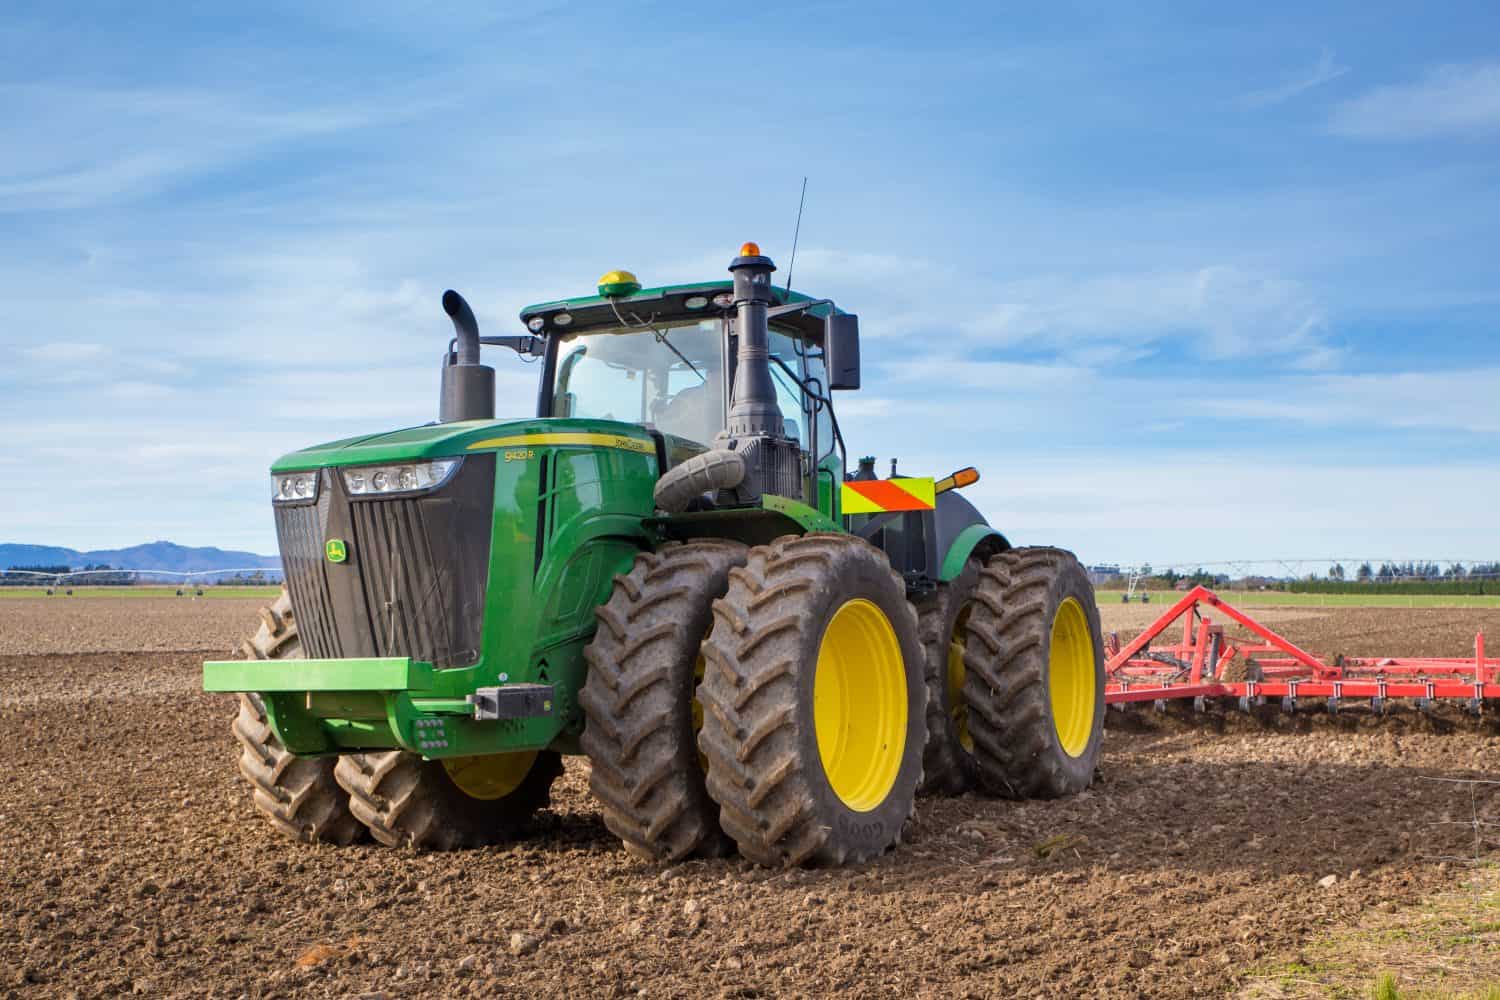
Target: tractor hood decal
640,446
437,440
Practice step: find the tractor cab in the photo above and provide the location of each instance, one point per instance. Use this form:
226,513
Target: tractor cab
667,359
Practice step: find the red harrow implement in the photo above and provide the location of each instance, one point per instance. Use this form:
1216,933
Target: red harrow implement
1206,663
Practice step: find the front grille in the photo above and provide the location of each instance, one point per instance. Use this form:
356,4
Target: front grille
413,583
299,530
411,606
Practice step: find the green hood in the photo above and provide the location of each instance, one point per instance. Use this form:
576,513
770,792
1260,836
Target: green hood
465,437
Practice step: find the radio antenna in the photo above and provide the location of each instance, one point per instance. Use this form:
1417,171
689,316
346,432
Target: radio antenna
795,234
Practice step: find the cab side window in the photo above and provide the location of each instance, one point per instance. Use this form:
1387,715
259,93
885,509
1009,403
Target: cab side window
817,375
788,392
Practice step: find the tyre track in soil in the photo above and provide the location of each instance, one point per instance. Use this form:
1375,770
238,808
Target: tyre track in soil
131,861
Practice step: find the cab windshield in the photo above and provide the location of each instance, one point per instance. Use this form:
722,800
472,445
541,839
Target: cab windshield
672,377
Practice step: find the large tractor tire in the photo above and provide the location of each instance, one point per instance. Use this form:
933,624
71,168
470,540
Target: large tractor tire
644,666
297,794
814,703
449,804
1034,675
948,766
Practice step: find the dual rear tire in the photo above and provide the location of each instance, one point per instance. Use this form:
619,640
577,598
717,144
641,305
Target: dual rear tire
824,695
814,703
640,701
768,698
1024,698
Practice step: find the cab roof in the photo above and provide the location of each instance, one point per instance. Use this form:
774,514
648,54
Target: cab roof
665,303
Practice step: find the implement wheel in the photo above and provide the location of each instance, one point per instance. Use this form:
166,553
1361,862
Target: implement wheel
948,765
445,805
1034,675
297,794
813,703
643,718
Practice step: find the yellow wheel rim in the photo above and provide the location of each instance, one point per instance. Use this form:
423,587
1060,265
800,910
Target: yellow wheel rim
1071,681
957,710
490,776
859,705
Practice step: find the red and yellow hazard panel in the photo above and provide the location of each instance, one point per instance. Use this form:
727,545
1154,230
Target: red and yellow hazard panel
879,496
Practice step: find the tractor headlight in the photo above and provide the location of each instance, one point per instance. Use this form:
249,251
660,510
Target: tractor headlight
294,487
408,477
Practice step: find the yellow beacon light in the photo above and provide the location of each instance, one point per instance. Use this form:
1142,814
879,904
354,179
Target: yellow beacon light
617,283
750,250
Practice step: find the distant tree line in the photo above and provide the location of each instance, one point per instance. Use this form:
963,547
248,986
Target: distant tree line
1402,578
1389,577
259,578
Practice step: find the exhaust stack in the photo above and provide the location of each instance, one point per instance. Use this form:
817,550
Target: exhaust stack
468,387
756,429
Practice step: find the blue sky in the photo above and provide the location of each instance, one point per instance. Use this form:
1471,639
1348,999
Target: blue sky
1186,284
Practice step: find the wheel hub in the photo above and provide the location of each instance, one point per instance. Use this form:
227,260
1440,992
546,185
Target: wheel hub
859,704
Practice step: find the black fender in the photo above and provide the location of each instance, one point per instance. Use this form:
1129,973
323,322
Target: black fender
960,531
932,545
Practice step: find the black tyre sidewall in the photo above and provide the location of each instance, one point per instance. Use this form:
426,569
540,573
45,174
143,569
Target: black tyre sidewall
681,651
863,573
1072,581
960,591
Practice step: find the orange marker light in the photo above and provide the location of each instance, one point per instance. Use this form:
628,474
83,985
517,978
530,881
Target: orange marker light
963,477
750,250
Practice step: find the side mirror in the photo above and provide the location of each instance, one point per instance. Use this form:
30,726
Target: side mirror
841,350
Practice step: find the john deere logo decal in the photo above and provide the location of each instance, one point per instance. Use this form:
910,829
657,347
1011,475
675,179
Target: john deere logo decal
336,550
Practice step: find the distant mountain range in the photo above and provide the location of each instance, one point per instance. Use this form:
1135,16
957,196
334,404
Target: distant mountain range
165,556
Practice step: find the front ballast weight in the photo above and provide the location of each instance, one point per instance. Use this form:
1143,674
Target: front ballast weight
319,707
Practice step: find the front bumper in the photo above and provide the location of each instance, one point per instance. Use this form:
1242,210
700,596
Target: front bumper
385,703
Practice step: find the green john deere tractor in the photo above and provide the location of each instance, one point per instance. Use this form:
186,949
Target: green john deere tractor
668,570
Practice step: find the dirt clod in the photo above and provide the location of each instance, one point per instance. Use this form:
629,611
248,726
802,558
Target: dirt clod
317,955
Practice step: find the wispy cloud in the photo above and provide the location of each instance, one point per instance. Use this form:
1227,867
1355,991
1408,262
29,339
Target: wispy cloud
1087,320
1448,101
1326,69
1223,312
65,352
1450,400
102,144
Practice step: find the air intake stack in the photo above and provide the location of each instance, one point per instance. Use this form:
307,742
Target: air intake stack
468,387
756,430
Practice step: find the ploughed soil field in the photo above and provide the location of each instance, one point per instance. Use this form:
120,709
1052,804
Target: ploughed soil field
131,860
